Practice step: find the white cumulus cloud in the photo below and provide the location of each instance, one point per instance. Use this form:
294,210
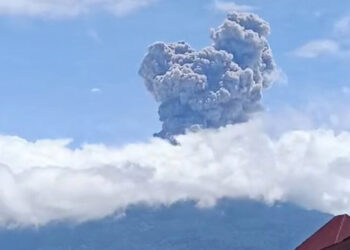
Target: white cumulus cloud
226,6
337,44
69,8
317,48
46,181
342,26
95,90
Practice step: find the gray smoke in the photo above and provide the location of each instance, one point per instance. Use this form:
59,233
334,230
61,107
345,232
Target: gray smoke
218,85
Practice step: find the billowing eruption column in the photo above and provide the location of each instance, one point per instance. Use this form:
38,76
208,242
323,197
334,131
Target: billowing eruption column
218,85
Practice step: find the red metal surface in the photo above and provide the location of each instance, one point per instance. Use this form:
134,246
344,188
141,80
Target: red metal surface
344,245
335,231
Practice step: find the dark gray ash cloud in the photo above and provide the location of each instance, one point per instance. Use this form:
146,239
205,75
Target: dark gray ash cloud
218,85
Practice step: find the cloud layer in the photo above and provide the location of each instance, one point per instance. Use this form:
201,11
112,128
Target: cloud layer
218,85
69,8
46,181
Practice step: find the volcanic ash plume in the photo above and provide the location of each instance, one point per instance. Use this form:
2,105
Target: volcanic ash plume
218,85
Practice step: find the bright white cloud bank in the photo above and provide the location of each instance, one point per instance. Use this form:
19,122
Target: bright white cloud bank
45,180
66,8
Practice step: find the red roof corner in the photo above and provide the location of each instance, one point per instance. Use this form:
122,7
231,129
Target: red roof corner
334,232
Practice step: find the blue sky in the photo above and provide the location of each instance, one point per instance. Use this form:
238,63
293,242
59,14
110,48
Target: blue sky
73,74
69,69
